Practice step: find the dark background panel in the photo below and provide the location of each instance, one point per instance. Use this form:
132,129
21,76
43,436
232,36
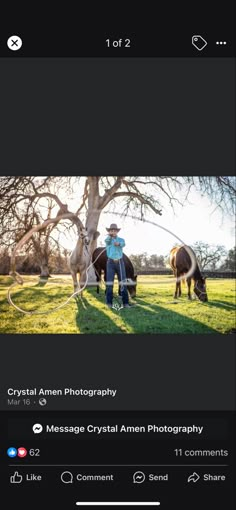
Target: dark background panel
153,373
117,116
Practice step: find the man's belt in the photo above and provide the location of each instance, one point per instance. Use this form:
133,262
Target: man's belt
113,260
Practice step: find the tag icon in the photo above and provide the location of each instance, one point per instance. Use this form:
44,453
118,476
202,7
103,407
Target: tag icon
198,42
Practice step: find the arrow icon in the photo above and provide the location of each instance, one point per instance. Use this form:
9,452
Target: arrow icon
194,478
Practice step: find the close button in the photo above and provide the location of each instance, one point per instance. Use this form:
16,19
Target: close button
14,42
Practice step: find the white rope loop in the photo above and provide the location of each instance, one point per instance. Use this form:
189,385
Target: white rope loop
35,312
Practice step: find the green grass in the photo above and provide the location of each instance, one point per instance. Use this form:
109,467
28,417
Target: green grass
156,310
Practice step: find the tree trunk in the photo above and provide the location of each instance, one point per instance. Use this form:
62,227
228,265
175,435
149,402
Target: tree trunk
92,281
94,210
41,253
44,268
91,225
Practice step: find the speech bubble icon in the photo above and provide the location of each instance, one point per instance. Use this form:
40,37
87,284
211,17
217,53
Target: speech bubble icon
37,428
67,477
138,477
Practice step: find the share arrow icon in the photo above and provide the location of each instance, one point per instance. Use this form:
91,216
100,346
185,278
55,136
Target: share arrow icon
194,478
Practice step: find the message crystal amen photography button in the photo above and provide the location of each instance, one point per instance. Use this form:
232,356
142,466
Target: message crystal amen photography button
14,42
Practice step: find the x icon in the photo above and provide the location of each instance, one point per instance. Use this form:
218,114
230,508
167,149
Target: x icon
14,42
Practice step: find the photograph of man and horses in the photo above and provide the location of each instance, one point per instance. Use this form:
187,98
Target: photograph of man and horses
116,255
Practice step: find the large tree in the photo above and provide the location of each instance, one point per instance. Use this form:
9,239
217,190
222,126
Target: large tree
91,195
208,256
230,261
27,203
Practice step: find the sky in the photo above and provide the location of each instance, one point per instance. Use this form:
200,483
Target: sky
195,222
198,220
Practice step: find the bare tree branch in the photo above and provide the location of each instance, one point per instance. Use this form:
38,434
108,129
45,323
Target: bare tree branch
143,200
105,199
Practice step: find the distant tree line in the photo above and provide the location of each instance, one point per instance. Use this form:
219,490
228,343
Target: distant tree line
29,262
211,257
145,261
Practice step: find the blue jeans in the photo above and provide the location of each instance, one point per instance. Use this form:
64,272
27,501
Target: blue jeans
119,269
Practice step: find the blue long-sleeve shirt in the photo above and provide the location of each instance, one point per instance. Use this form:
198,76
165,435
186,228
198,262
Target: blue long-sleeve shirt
114,252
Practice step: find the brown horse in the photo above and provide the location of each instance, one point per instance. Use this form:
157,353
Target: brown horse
182,263
99,259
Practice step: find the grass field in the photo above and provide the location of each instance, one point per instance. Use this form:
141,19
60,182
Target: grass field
156,310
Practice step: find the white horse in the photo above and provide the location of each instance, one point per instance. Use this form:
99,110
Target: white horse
80,257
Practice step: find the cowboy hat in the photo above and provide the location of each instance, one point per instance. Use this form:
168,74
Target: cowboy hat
113,226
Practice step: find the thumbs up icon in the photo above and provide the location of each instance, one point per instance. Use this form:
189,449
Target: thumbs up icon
16,478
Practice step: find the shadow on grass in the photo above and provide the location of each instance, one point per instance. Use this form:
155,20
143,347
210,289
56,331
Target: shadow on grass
92,320
143,318
6,281
157,319
34,299
42,282
4,306
30,295
222,304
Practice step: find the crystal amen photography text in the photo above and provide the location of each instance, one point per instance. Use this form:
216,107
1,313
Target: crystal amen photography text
108,392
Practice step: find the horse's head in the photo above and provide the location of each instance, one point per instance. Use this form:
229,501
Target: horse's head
83,233
131,286
200,289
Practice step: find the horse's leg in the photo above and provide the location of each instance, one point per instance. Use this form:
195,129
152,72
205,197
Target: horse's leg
105,280
75,280
179,284
189,287
98,278
82,279
176,289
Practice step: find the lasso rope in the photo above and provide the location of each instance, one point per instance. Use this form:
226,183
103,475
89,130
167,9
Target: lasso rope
35,312
18,280
188,249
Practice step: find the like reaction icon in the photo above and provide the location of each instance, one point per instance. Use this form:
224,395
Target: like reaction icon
16,478
12,452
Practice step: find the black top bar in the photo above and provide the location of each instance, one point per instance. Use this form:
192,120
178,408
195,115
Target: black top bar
157,29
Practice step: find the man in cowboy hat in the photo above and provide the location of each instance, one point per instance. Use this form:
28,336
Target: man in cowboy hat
115,265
